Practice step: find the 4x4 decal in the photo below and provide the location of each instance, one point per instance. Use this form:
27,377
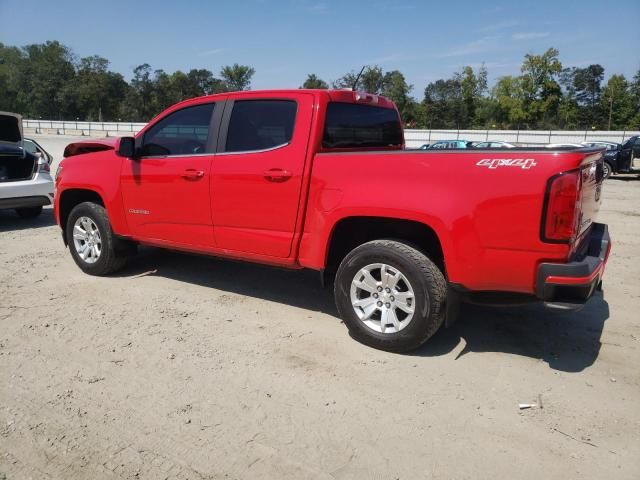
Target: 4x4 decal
493,163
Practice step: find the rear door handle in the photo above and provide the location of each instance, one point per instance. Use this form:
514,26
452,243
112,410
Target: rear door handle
192,174
277,175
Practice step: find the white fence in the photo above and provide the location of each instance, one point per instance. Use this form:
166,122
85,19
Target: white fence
414,138
90,129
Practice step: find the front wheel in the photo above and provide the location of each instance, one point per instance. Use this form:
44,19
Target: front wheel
93,246
606,170
390,295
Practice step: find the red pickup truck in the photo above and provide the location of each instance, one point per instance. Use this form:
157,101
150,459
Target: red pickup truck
320,179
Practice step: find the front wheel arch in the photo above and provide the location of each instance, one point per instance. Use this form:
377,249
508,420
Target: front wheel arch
69,199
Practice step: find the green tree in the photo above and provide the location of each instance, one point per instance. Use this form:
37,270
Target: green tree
237,77
472,88
13,62
587,82
510,97
541,89
371,80
568,110
313,81
397,89
618,102
47,70
142,93
98,92
635,92
443,105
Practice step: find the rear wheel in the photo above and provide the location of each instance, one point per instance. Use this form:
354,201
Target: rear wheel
93,246
29,212
390,295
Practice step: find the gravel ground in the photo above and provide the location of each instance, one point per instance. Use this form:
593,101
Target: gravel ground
216,369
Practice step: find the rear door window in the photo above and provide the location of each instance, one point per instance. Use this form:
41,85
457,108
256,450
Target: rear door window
183,132
260,125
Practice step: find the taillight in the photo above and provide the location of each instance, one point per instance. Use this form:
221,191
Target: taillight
562,208
43,165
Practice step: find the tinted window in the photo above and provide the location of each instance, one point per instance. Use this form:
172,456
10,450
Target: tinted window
260,124
9,129
184,132
29,146
351,125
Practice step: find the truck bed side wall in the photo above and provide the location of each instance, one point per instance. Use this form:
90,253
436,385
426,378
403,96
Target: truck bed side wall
487,219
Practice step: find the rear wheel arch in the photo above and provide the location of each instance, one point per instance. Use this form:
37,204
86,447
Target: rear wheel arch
351,232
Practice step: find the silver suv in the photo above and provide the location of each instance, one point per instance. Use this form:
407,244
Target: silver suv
25,178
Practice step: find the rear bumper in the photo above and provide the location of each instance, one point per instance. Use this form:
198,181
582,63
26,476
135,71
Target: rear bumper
24,202
34,192
570,285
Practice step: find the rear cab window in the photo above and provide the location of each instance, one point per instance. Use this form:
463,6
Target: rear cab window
353,125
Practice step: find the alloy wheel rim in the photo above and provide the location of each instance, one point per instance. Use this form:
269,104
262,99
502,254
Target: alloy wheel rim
87,240
382,298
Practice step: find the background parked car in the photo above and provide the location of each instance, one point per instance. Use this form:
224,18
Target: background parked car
25,180
33,147
629,154
451,144
493,144
564,145
611,156
424,147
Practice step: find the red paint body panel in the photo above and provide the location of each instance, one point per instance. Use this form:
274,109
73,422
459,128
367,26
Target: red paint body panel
488,220
252,214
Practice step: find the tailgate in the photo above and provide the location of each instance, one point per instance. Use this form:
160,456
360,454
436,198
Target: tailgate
592,177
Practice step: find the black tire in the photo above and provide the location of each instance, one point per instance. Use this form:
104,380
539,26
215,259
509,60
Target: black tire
113,253
29,212
607,170
430,289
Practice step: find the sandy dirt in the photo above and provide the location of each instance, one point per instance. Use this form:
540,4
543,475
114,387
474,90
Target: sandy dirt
212,369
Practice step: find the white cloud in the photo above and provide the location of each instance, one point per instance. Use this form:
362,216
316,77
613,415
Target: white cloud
318,7
476,46
393,57
208,53
495,27
529,35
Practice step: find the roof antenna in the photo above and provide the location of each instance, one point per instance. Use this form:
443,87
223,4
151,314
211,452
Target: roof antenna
355,83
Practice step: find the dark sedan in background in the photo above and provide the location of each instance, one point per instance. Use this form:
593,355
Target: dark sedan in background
619,157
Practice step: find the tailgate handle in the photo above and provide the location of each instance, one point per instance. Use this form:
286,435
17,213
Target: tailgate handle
192,174
277,175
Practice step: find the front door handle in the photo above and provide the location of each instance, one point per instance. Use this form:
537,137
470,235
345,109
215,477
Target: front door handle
277,175
192,174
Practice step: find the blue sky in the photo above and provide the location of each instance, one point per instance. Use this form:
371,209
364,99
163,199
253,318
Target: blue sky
286,39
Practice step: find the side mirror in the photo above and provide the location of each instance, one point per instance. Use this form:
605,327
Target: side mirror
127,147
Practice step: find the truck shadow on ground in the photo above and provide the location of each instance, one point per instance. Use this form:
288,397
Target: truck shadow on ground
566,341
298,288
10,221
